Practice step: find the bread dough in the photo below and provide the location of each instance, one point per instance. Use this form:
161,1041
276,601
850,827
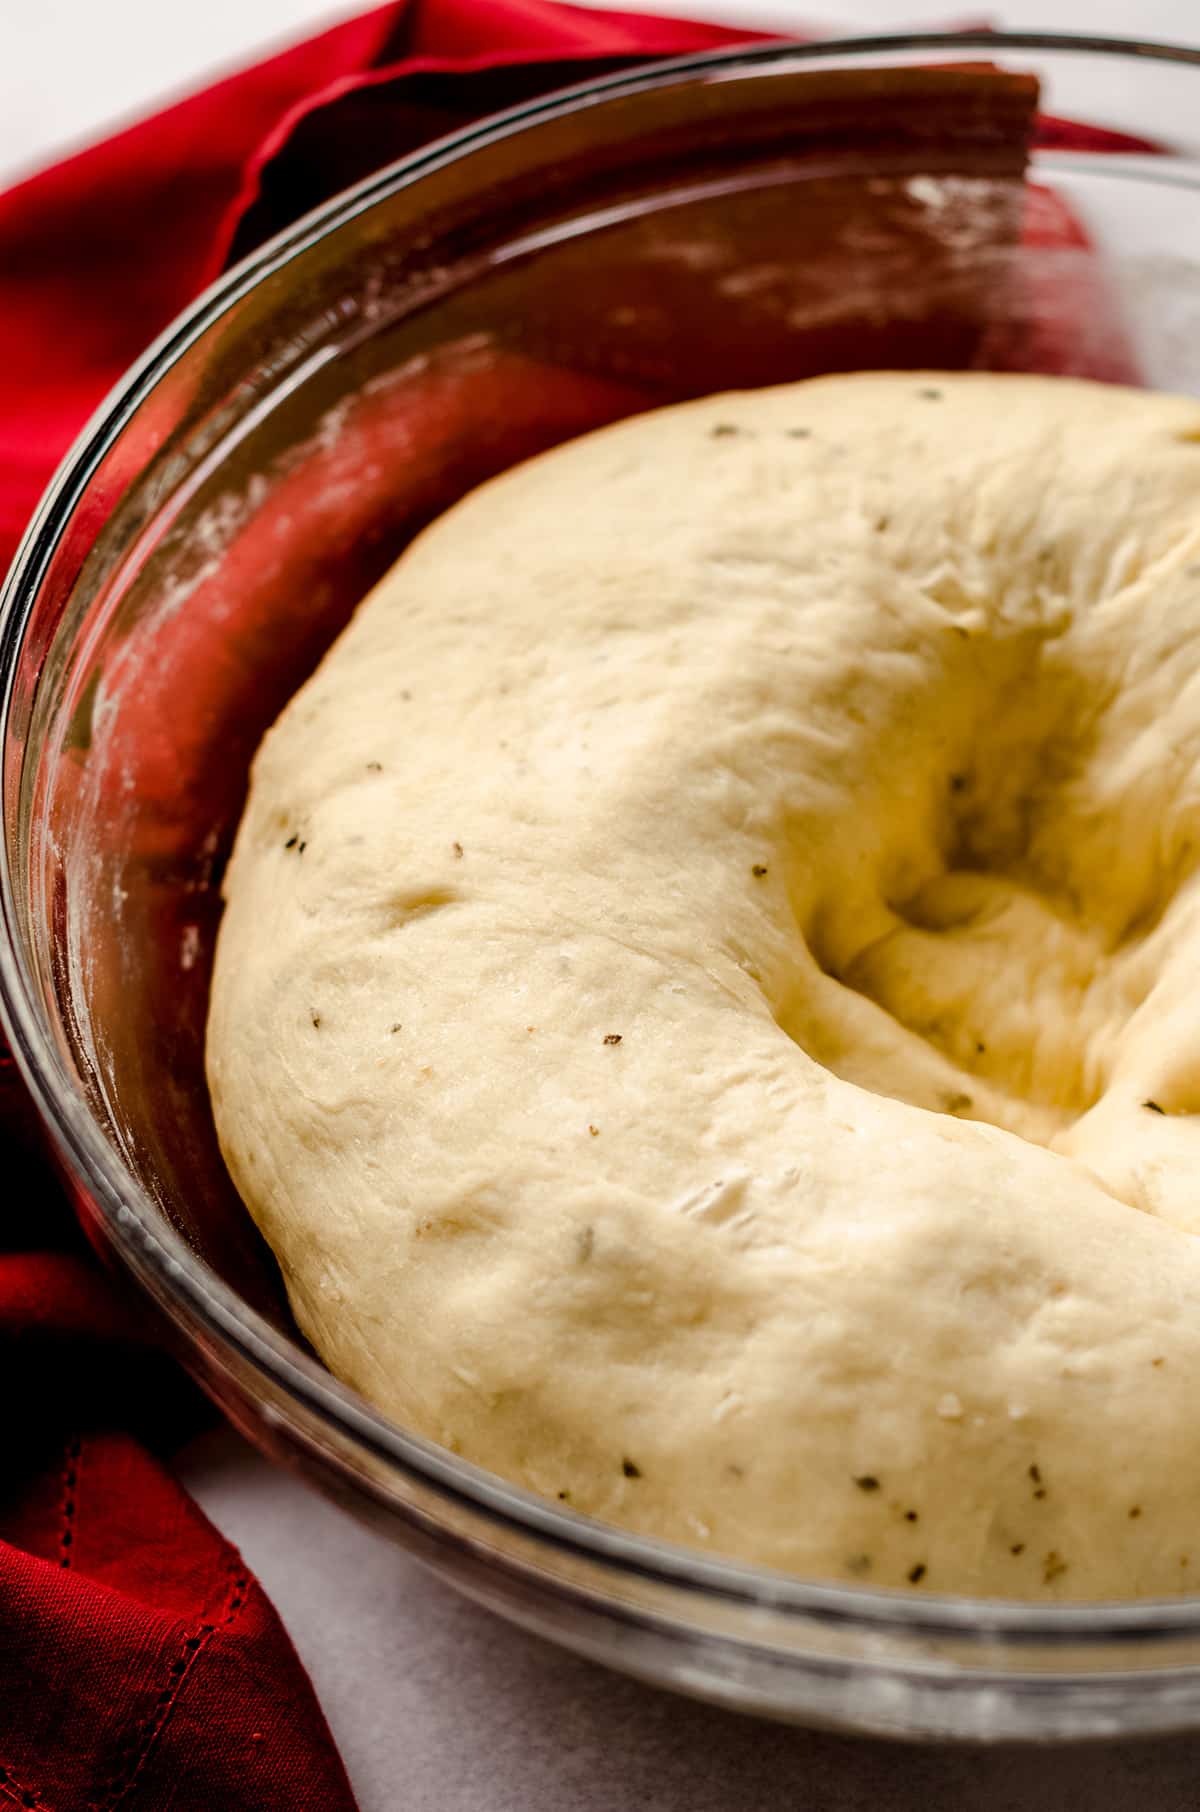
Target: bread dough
707,1011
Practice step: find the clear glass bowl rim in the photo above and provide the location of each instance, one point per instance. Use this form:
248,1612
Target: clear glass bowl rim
162,1261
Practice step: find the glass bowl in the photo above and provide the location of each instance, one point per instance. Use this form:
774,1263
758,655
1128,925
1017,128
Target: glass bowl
722,221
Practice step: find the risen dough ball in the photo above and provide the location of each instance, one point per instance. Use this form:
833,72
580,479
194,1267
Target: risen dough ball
708,1007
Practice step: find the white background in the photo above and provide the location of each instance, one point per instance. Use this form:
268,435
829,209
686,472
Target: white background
438,1707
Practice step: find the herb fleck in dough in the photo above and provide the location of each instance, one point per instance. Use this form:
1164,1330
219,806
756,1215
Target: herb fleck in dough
828,768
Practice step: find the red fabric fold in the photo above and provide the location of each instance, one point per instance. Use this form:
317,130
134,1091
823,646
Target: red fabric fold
98,253
140,1664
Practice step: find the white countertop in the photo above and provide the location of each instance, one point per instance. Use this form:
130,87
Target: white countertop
438,1706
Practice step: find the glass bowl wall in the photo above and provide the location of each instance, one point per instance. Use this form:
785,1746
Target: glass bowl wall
713,224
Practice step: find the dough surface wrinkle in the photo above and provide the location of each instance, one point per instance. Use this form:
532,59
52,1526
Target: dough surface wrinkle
731,1032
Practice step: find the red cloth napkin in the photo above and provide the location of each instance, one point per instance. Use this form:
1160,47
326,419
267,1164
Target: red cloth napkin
141,1665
